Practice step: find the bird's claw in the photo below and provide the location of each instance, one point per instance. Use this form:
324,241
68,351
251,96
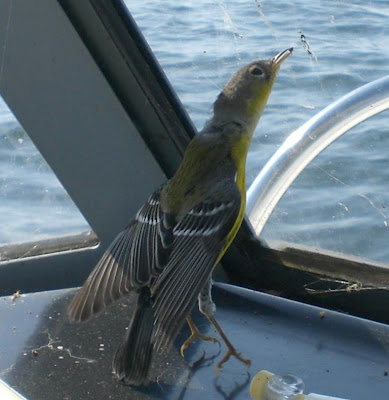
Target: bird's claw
231,352
196,335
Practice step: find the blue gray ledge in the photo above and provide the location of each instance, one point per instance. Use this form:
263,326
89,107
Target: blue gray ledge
43,356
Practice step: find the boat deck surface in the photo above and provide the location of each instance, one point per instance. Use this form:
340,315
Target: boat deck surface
43,356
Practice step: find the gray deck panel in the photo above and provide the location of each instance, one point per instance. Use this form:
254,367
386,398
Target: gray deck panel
43,356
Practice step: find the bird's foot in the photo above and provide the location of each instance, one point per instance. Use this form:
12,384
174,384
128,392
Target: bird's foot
195,334
231,352
231,349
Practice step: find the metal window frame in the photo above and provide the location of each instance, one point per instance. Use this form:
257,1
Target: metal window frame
71,60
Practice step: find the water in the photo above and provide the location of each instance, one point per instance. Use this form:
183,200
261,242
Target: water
339,202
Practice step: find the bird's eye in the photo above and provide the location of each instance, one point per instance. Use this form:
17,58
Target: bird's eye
257,71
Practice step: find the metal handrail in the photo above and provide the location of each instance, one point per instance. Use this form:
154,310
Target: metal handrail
305,143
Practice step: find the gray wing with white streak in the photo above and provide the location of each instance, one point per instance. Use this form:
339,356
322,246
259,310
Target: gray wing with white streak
198,241
137,254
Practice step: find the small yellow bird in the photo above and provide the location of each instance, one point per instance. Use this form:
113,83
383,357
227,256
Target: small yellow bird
168,250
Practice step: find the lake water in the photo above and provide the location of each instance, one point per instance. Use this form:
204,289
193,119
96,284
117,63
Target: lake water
339,202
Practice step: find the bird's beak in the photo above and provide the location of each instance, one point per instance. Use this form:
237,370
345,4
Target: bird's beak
277,60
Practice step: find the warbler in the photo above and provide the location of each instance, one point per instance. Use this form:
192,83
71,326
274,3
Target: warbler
168,250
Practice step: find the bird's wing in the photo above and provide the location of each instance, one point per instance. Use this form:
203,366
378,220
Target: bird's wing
139,252
198,241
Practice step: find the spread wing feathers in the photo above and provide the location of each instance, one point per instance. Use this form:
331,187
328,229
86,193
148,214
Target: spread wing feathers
138,253
198,241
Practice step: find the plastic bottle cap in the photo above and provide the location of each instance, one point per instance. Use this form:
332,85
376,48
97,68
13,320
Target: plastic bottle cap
259,384
259,387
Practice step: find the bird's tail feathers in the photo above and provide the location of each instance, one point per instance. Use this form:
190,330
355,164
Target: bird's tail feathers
133,358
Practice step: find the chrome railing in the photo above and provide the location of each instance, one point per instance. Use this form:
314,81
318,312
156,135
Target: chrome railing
304,144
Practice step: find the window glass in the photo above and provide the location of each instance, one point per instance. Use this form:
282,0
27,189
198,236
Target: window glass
33,204
340,201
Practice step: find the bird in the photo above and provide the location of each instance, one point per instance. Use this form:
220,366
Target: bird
168,250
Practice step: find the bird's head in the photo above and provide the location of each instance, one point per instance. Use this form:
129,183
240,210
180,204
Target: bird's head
244,97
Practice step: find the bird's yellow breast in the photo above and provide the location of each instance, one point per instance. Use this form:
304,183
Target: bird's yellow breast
238,154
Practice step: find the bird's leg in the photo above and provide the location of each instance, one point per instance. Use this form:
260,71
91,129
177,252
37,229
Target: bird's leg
231,349
195,334
208,308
